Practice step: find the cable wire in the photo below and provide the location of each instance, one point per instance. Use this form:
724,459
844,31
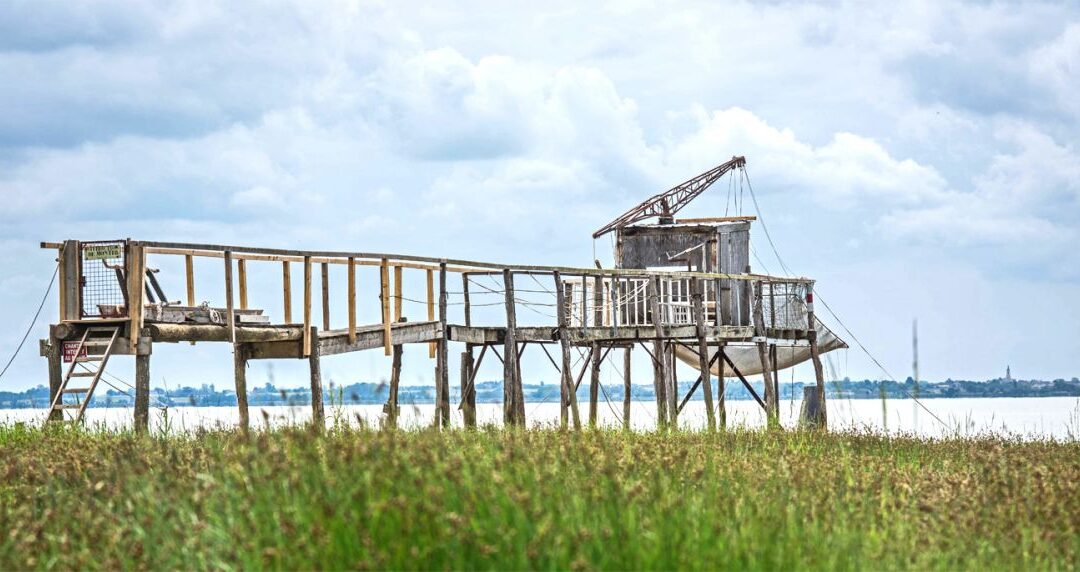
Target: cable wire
33,322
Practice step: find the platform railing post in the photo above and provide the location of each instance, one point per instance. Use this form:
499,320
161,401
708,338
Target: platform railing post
441,351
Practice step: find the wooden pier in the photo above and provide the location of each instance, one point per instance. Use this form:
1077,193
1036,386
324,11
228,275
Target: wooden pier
110,289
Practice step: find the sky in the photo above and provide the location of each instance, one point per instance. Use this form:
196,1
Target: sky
918,162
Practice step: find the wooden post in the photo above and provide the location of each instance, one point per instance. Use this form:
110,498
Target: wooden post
626,389
594,384
819,371
392,408
241,276
442,351
775,378
142,392
240,357
703,350
511,373
468,390
763,354
661,356
71,279
318,415
431,307
398,296
136,278
189,274
659,384
307,306
56,374
352,300
286,283
384,298
721,390
673,387
325,275
568,391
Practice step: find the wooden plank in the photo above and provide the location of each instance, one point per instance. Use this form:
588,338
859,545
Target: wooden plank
703,350
325,281
241,274
431,306
286,290
352,300
568,391
384,297
307,306
371,337
318,415
189,274
715,219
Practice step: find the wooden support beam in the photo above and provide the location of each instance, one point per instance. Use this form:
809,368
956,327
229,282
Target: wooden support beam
136,279
392,408
307,307
698,381
703,350
189,275
352,300
442,363
240,357
325,275
384,298
660,359
721,390
431,306
568,391
594,384
71,279
241,275
815,356
166,332
511,372
142,393
468,392
318,415
626,389
286,290
56,374
771,403
744,381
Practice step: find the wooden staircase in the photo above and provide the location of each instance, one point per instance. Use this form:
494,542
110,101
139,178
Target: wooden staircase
84,367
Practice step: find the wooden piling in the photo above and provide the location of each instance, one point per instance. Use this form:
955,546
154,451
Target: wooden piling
703,350
721,390
142,392
442,351
626,389
594,384
661,357
511,372
771,402
56,375
240,358
468,390
318,415
568,391
815,356
392,407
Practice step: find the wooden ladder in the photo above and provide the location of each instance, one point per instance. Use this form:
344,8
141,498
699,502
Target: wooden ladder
84,366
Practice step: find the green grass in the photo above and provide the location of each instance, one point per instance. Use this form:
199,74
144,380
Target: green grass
539,499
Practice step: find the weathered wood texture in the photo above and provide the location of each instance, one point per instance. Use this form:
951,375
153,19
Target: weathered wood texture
318,415
240,357
442,351
142,393
568,391
703,353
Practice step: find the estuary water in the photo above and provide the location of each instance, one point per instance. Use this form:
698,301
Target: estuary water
1025,417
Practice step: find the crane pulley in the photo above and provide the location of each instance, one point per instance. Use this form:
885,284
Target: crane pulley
669,202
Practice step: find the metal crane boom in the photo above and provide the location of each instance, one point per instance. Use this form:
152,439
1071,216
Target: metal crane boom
669,202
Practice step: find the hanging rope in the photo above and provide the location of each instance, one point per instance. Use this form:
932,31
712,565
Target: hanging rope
33,322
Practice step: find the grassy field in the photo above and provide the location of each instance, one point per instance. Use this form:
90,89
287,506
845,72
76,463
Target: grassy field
534,499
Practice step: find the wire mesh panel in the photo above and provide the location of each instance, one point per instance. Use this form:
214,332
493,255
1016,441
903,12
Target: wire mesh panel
103,287
784,305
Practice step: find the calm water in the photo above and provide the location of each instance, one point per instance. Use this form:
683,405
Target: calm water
1057,417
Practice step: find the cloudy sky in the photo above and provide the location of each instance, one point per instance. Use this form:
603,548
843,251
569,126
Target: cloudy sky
919,163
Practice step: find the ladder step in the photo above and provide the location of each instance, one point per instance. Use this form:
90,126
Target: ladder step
85,359
66,406
76,390
84,374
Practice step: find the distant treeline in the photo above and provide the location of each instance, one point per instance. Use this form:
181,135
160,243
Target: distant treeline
491,392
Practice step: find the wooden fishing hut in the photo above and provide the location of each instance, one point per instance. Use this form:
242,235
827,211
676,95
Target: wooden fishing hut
703,301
